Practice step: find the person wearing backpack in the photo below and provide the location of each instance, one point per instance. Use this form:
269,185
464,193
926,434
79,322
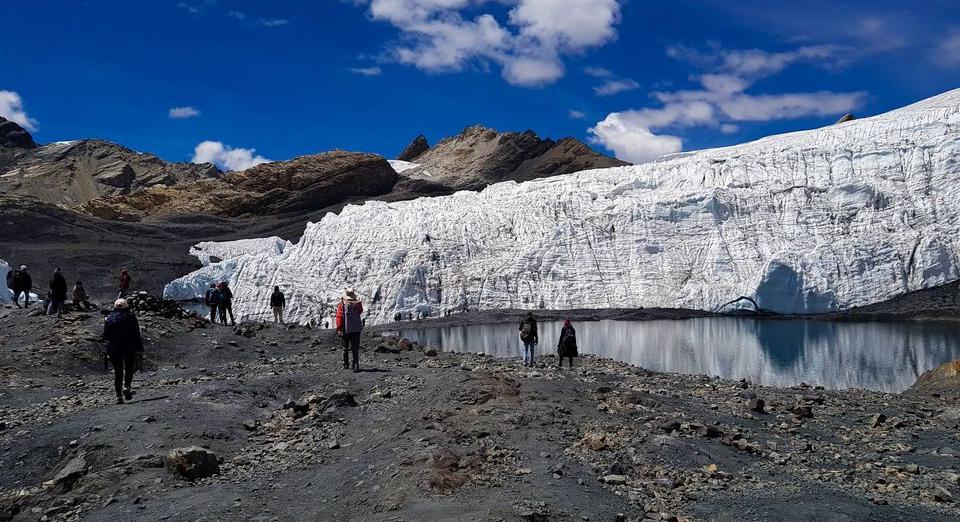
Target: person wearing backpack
80,297
58,293
567,346
529,338
349,322
124,343
211,298
277,303
125,281
22,284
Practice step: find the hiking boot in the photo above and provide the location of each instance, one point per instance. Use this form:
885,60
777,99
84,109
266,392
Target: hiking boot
119,399
127,394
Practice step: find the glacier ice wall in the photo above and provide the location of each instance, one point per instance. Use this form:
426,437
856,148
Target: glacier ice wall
806,222
6,295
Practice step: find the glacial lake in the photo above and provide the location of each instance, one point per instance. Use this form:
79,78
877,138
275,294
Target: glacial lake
880,356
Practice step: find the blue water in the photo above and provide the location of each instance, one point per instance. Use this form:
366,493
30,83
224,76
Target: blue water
837,355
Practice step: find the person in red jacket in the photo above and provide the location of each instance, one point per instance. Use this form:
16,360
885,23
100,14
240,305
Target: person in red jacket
349,325
124,284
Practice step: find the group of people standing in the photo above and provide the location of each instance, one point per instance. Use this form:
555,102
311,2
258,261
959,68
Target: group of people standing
566,345
219,299
21,283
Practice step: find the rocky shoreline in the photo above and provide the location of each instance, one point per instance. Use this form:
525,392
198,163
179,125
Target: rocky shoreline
269,427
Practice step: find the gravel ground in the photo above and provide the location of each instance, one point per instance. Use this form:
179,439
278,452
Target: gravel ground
420,435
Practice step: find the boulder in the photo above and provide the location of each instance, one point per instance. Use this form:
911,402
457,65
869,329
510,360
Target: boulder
193,462
76,468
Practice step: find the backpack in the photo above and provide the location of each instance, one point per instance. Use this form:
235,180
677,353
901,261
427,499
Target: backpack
352,318
526,331
13,279
569,338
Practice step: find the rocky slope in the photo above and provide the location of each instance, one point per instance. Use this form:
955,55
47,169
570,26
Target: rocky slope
300,185
809,222
479,156
74,172
421,435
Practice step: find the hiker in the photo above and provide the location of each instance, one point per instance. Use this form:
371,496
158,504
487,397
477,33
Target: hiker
122,333
277,303
212,300
80,296
226,303
528,335
349,324
58,293
125,280
22,284
567,346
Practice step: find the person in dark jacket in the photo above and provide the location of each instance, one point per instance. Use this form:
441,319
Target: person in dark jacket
22,284
349,322
58,293
80,297
226,303
122,333
529,338
212,300
125,281
567,345
277,303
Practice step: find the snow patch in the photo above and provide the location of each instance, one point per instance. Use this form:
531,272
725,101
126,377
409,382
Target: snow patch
401,166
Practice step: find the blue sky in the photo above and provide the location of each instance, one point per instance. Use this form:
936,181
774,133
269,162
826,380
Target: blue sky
212,80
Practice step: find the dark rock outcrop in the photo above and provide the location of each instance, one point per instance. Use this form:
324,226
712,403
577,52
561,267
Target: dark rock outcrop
302,184
13,135
416,147
846,117
479,156
74,172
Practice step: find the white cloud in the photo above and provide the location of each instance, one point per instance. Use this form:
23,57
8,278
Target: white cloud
597,72
367,71
576,115
437,37
628,136
226,157
11,108
179,113
948,52
721,99
611,87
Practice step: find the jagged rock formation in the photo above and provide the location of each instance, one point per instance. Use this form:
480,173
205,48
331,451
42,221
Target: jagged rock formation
416,147
845,118
479,156
13,135
806,222
299,185
74,172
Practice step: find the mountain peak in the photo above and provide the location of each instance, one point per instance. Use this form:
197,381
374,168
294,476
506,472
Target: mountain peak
416,147
13,135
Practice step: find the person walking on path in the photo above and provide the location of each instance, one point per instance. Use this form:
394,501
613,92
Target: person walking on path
226,304
277,303
80,297
567,346
58,293
212,300
22,284
125,281
529,338
122,333
349,323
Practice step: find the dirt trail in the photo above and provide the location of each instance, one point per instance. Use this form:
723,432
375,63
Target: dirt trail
423,436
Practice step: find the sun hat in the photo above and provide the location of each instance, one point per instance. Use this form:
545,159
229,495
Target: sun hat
121,304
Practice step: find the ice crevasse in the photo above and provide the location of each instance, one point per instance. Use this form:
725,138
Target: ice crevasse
806,222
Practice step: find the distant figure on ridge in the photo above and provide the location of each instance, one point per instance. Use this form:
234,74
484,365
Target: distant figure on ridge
22,284
277,303
125,281
349,325
58,293
529,338
212,300
226,303
80,297
567,346
122,333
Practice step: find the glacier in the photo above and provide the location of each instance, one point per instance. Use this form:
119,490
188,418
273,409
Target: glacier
806,222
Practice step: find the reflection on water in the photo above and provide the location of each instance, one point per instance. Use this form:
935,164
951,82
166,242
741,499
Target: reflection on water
876,356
